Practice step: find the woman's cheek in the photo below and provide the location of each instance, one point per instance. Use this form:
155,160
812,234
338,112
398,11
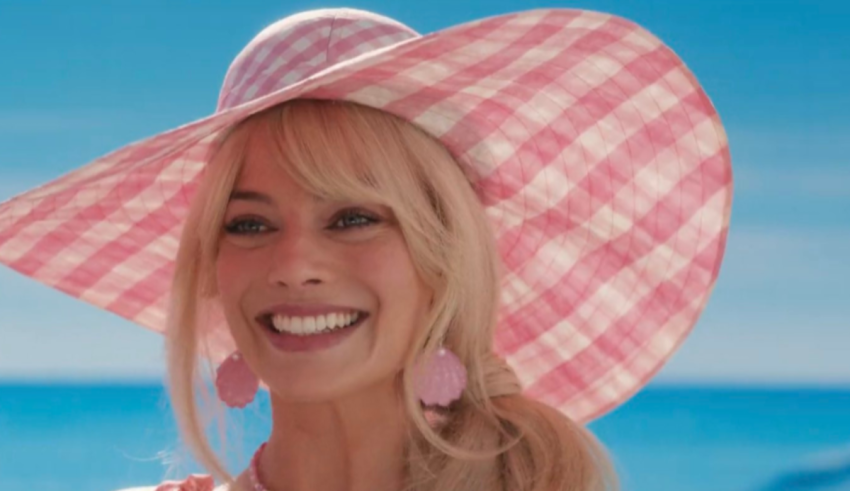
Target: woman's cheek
234,273
390,266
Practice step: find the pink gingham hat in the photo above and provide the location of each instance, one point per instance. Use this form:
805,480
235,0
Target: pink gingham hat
600,160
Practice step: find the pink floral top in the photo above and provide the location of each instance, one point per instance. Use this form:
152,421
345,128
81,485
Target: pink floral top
195,482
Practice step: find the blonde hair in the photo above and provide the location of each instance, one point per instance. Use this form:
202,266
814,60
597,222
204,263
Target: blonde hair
494,437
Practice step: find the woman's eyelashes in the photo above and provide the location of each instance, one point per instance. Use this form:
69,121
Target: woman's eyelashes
245,226
347,219
353,218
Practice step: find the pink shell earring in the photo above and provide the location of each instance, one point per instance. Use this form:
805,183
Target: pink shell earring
235,383
441,379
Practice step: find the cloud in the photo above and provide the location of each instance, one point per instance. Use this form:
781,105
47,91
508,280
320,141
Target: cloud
47,334
760,348
779,312
11,186
37,122
79,350
804,182
791,162
765,258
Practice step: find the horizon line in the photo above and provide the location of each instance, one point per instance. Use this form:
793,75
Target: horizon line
705,384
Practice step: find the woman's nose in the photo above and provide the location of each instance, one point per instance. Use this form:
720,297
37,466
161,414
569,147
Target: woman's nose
298,260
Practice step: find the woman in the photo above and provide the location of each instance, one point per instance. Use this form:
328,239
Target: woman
441,254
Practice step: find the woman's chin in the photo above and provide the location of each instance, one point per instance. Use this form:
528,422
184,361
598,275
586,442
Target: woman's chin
311,392
318,387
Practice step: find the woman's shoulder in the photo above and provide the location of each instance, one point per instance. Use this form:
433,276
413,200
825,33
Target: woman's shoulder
195,482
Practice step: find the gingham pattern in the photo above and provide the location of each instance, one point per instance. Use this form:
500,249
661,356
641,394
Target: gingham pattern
601,162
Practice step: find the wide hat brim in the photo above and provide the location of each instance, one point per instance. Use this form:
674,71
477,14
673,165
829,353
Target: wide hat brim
599,158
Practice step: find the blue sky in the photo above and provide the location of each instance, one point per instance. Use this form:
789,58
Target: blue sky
81,78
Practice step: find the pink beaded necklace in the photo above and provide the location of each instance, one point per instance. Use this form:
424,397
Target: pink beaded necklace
253,470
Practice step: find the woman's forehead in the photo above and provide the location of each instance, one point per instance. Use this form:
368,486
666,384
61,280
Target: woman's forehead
259,166
265,176
265,169
266,151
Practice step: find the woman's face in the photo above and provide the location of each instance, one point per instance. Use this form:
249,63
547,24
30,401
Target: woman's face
292,269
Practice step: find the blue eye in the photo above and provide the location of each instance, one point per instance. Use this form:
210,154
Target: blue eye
353,219
247,226
345,220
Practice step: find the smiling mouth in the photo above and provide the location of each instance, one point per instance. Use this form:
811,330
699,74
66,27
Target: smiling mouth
312,326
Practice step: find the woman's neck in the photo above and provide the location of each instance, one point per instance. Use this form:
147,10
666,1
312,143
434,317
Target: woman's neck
355,444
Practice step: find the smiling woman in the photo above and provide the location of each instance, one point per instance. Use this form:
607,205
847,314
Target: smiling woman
314,250
339,209
440,254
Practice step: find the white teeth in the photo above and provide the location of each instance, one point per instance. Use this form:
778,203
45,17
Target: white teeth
304,326
309,325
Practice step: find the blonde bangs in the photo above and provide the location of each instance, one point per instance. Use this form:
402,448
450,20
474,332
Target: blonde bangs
336,151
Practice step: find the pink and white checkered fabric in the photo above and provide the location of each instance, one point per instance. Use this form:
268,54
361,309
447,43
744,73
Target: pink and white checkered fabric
599,158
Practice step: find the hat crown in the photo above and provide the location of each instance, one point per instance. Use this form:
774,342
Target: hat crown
296,47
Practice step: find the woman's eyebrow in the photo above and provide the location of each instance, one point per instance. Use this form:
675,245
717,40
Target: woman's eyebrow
248,195
245,195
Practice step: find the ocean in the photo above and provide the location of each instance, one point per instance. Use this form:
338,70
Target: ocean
105,437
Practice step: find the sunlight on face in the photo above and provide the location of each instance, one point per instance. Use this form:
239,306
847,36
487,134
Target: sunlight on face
284,248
